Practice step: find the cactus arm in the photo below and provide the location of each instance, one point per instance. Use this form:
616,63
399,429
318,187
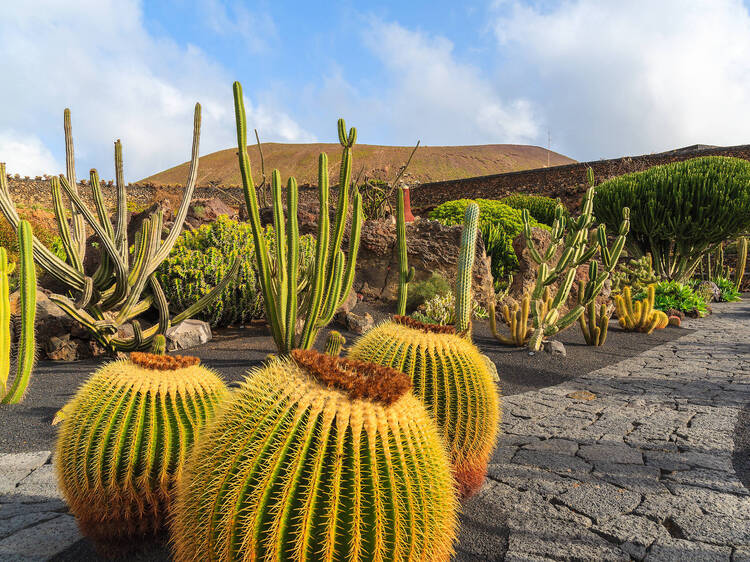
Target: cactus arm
48,261
337,274
121,227
79,228
403,260
292,260
101,209
321,253
5,346
71,249
27,341
206,299
251,201
140,308
354,239
505,340
279,282
466,256
148,242
741,262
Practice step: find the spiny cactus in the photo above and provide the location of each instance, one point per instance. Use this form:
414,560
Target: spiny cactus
675,321
593,326
159,346
467,251
517,320
113,294
405,274
739,271
26,339
124,440
577,247
317,458
639,316
451,378
331,279
334,343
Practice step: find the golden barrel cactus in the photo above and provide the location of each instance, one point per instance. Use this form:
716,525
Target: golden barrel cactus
450,376
317,458
124,441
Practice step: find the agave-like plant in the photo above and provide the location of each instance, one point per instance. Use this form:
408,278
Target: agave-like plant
112,295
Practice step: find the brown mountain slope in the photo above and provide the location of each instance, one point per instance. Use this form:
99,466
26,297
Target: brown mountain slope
430,163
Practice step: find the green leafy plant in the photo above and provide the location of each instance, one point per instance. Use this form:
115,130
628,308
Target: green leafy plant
202,257
541,208
681,211
499,224
422,291
673,295
441,309
729,292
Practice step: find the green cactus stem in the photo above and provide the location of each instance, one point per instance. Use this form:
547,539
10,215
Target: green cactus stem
593,326
405,273
334,343
639,316
739,271
332,275
124,286
467,252
159,345
27,312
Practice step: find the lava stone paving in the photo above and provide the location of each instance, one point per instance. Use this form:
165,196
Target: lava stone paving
644,459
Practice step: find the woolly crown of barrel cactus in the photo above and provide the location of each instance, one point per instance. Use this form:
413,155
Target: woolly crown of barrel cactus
124,440
317,458
451,378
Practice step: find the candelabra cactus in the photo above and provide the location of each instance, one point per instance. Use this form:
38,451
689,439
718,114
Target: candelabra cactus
577,248
27,313
331,278
334,343
405,274
124,440
639,316
318,458
113,294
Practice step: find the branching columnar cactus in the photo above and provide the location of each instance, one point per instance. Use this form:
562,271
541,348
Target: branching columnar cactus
517,320
593,326
124,440
317,458
27,313
332,278
113,294
405,273
639,316
334,343
577,248
451,378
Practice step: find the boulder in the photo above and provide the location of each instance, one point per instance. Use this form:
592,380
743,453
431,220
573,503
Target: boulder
359,324
709,291
554,347
431,247
202,211
346,307
187,334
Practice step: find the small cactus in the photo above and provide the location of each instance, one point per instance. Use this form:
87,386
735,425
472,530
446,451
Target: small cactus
124,439
639,316
334,343
675,321
159,345
318,458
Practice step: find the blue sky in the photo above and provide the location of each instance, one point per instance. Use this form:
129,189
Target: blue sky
606,78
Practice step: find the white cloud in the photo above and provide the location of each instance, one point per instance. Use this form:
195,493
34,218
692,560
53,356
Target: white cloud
255,28
615,78
432,95
97,58
28,152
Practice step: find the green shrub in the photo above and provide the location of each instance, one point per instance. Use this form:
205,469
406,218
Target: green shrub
679,211
422,291
441,309
729,292
541,208
636,274
678,296
200,259
499,225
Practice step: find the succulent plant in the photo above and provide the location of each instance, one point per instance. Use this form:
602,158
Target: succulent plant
451,378
334,343
639,316
317,458
124,440
405,274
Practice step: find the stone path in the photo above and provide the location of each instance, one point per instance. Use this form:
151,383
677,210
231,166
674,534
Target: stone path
643,471
634,461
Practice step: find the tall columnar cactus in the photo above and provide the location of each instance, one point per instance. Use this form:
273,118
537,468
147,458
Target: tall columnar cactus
318,458
332,275
124,440
467,251
112,295
639,316
27,313
739,271
576,247
451,378
405,274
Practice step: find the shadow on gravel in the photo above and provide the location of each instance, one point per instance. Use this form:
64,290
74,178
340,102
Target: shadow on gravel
741,454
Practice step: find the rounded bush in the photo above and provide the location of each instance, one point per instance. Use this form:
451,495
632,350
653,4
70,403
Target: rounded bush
499,224
541,208
679,211
318,458
124,440
201,258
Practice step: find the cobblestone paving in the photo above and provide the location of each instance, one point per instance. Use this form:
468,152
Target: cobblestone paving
640,469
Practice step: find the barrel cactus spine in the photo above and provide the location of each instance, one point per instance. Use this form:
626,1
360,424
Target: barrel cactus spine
123,442
27,313
317,458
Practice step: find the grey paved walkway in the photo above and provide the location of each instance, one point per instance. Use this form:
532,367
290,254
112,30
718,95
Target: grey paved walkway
642,469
